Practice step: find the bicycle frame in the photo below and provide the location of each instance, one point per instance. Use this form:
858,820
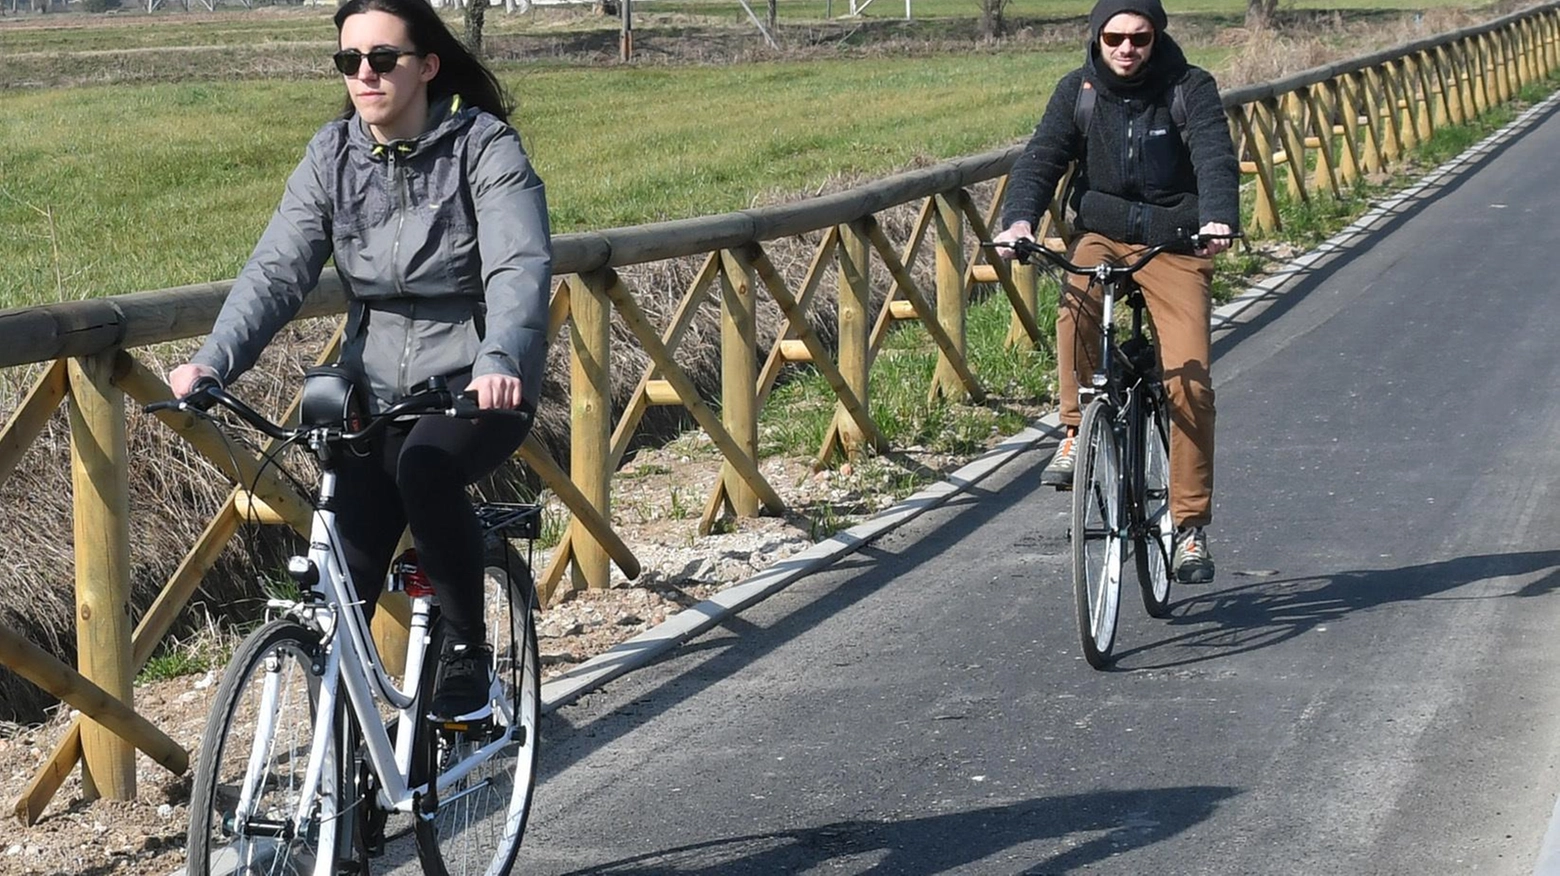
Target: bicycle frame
353,666
1124,385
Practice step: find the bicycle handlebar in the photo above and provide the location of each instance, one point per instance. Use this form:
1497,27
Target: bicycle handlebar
434,399
1026,251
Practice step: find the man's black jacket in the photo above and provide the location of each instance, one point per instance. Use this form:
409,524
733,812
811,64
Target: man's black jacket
1138,181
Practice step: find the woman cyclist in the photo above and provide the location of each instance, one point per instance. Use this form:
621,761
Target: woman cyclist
438,225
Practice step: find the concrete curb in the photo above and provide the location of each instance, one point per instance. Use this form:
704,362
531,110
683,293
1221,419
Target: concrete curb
692,621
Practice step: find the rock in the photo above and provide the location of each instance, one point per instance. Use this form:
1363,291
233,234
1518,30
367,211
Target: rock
557,629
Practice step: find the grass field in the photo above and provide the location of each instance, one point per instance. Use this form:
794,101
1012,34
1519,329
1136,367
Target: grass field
123,188
167,174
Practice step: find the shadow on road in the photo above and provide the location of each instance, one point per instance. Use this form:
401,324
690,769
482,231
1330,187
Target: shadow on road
1265,613
1098,825
737,641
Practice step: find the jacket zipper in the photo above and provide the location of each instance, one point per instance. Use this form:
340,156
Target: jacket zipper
395,267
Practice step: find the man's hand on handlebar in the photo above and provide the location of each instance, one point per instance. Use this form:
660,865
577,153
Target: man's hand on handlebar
1016,231
1217,240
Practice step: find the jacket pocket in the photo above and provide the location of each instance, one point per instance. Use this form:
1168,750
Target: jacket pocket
1164,155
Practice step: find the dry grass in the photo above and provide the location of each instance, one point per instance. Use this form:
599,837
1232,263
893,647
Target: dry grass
1266,54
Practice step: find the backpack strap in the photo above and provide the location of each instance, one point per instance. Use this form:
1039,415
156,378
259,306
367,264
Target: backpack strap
1178,112
1083,108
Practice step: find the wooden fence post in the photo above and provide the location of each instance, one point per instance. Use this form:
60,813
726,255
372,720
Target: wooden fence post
1260,145
1349,114
949,220
590,429
1026,281
100,479
855,327
739,374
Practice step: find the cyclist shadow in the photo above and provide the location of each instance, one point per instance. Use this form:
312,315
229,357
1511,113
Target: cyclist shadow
1267,612
737,641
1114,822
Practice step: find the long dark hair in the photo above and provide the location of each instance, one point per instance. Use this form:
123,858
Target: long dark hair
459,71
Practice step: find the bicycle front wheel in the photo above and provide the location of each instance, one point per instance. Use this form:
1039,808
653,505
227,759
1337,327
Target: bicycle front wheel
1098,536
249,773
475,824
1154,541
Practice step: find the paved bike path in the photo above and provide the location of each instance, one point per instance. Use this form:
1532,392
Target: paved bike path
1368,688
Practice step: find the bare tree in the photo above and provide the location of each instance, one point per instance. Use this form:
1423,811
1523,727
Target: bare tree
991,25
476,13
1260,12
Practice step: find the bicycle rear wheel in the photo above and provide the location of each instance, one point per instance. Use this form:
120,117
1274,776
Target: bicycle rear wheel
1098,536
249,774
476,824
1154,543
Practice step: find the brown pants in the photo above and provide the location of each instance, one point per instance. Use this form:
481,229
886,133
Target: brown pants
1177,289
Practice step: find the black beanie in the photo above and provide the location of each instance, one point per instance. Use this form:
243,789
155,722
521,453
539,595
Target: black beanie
1105,10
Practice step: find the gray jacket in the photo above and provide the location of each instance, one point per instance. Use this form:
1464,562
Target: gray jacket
442,243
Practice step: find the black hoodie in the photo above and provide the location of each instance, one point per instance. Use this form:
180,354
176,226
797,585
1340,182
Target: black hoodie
1138,181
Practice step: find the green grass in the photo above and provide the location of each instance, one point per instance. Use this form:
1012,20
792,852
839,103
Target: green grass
796,419
106,190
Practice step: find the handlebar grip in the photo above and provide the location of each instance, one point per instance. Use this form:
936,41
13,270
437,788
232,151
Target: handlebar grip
464,406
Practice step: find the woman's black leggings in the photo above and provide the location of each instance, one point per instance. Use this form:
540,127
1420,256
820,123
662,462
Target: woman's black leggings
416,475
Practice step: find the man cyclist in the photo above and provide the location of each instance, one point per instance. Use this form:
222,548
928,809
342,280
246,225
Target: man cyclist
1154,159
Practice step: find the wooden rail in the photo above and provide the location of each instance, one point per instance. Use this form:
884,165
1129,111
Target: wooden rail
1313,134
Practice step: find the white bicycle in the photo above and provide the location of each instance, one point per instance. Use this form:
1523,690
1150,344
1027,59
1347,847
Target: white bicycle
313,752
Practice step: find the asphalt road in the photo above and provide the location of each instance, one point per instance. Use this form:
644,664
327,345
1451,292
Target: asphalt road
1369,686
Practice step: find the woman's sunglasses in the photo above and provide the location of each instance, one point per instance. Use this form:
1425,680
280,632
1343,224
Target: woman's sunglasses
381,61
1141,39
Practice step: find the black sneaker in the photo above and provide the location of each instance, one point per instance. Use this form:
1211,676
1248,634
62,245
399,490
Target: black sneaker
465,682
1193,562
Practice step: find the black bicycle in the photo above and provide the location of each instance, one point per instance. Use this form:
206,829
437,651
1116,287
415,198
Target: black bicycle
1121,480
313,753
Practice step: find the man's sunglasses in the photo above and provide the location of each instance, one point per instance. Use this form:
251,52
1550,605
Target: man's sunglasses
1141,39
381,61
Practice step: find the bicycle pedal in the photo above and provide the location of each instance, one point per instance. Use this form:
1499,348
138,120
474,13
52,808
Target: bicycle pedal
481,725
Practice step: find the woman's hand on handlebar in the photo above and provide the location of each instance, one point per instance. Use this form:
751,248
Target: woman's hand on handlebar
1016,231
496,392
1218,241
182,379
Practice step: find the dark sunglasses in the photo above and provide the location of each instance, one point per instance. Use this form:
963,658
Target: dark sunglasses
1141,39
381,61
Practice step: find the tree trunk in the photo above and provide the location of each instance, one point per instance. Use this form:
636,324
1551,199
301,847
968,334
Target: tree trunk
1259,13
774,11
991,18
476,12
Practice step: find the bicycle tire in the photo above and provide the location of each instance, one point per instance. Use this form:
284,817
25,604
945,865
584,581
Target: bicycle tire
1154,542
477,828
239,743
1097,533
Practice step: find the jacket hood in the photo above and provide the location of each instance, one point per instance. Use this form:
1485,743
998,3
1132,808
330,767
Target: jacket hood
446,116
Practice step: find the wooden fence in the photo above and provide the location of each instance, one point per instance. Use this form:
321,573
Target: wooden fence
1311,135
